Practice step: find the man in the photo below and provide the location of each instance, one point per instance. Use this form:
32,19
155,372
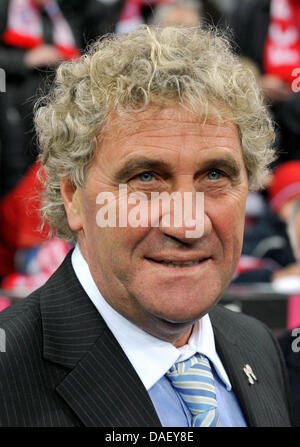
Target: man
143,117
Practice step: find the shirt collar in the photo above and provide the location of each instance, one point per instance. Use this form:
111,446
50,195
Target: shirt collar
150,356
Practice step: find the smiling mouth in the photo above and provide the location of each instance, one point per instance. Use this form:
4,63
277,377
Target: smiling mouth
179,263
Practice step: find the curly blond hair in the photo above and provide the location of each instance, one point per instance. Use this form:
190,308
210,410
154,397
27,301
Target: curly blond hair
193,67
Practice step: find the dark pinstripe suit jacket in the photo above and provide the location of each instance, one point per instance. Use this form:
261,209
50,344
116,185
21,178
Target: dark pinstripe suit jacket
63,366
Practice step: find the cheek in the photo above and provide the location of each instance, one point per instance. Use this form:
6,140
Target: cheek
228,222
118,254
121,244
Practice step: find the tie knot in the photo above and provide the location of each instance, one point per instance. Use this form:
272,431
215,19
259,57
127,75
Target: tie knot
197,362
194,381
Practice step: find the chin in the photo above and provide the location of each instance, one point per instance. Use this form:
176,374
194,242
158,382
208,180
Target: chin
186,310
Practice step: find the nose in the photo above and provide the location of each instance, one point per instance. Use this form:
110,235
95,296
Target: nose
183,217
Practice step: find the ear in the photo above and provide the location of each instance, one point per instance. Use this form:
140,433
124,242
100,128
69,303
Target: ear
72,201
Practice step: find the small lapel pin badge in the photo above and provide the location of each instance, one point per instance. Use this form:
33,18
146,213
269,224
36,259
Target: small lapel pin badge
250,374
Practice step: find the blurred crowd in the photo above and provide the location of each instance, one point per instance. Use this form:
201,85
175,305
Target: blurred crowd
36,35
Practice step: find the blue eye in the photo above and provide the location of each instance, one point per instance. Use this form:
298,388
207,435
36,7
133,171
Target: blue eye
214,175
146,177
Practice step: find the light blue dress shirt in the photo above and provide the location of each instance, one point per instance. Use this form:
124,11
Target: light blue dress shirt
173,412
152,358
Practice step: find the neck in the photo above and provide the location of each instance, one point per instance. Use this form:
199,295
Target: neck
183,339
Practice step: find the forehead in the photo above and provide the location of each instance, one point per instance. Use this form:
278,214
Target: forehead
168,131
156,118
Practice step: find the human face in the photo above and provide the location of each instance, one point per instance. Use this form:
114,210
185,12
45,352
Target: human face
166,150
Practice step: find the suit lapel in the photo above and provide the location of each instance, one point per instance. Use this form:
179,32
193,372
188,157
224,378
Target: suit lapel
260,402
234,360
102,388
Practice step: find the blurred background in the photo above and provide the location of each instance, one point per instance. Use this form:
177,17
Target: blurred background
36,35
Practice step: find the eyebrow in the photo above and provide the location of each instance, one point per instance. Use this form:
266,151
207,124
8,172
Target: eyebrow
227,163
133,166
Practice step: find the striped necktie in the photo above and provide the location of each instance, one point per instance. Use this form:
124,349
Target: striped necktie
194,381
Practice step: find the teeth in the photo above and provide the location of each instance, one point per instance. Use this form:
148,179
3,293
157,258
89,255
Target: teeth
181,264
